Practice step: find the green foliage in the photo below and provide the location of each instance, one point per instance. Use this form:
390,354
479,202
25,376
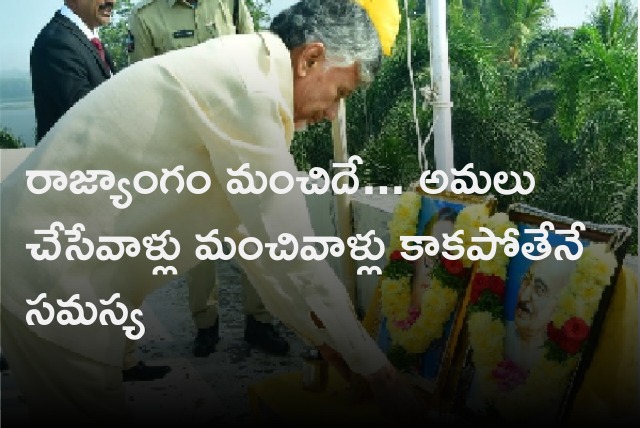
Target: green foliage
9,141
367,115
397,269
561,104
522,17
506,24
501,139
491,128
536,82
313,147
258,10
401,359
449,280
595,148
602,185
114,35
556,353
592,77
616,23
392,157
489,302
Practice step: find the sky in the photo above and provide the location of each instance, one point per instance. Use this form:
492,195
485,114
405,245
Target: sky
21,20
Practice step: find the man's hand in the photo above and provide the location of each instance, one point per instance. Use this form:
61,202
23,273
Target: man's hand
395,396
358,385
393,393
334,358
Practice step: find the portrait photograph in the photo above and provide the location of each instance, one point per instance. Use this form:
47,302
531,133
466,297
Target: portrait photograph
533,321
415,315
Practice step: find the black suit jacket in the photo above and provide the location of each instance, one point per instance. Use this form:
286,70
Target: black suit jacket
65,66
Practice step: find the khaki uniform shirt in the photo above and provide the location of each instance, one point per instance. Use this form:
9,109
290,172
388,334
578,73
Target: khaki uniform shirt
159,26
158,114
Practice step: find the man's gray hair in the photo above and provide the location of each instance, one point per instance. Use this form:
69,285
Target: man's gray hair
342,26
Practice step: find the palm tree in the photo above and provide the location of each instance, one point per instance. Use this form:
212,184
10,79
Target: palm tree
523,17
508,24
597,107
616,23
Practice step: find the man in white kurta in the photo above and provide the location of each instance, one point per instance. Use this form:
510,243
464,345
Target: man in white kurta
186,108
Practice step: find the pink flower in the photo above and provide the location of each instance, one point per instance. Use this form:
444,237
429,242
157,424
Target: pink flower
509,375
414,314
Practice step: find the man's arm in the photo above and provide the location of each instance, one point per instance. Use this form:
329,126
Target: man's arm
306,295
60,70
297,290
141,44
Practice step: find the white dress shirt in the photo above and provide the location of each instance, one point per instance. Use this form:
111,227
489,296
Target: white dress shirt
65,11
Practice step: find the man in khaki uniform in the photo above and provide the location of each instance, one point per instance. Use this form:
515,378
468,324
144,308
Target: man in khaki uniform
159,26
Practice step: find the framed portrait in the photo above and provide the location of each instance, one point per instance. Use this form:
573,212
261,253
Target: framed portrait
416,312
534,316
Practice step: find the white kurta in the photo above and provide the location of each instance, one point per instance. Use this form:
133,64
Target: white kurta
211,107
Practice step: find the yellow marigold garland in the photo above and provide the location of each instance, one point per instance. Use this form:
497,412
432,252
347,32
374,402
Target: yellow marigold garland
408,328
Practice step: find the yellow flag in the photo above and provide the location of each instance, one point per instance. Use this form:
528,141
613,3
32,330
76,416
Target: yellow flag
385,16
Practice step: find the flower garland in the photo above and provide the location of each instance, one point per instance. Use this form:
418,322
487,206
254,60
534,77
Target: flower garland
514,392
407,325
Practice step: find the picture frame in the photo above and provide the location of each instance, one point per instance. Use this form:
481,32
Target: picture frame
553,312
426,370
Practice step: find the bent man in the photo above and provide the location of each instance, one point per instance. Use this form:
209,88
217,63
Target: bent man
187,108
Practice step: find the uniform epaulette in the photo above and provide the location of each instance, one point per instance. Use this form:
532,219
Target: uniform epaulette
140,4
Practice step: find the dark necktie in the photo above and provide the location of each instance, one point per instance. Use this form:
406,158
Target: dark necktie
98,44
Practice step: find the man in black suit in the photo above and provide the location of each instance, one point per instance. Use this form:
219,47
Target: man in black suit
67,62
66,59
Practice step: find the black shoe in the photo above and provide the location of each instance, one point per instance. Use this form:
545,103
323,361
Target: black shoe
4,366
206,341
141,371
264,336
